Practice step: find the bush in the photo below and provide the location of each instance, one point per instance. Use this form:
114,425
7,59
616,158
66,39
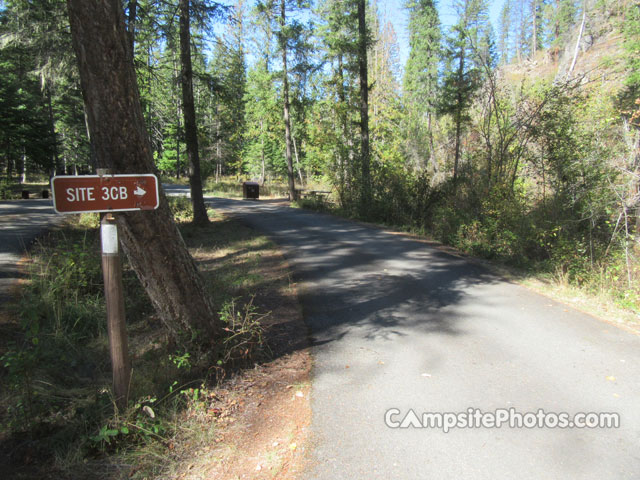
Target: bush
243,341
181,208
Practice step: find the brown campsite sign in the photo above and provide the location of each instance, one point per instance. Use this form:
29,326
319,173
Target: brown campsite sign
106,193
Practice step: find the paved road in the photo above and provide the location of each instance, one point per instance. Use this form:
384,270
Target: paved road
20,222
176,190
398,324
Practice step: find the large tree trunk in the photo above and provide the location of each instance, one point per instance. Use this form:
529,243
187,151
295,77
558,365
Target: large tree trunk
150,239
131,24
293,195
344,133
52,128
365,197
178,128
189,111
262,152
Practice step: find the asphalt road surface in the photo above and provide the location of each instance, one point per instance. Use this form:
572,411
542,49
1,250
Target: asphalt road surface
21,221
399,326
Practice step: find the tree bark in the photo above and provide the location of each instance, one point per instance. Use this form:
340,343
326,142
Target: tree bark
293,194
343,154
52,129
151,239
189,111
23,167
295,151
262,152
131,24
365,178
178,128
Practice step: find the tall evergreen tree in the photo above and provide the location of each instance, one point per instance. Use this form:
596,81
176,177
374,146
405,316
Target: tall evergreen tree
559,17
206,10
150,239
384,73
520,29
468,47
200,216
26,141
421,75
363,78
41,29
535,14
338,33
228,68
504,41
288,31
286,103
264,149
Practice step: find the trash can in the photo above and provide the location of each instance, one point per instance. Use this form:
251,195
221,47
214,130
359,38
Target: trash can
25,194
251,190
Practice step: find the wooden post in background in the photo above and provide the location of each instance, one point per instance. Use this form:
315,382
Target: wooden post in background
114,297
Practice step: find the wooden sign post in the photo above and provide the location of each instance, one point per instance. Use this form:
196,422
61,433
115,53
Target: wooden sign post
114,299
108,194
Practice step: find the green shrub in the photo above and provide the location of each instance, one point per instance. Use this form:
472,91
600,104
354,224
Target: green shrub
181,208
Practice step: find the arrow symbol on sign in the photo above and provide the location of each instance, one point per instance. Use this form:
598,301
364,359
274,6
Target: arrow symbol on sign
139,192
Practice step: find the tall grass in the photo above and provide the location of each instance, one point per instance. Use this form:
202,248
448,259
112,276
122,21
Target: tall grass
56,378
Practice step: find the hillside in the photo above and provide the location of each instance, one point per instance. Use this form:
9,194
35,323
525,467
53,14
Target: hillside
600,58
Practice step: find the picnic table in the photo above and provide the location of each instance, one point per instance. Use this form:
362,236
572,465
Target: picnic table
320,195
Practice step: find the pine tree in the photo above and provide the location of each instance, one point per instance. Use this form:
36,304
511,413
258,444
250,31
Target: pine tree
205,11
468,48
26,143
290,36
338,34
264,150
151,239
504,42
41,30
363,78
559,17
421,76
175,89
35,58
227,129
520,29
263,153
535,11
385,93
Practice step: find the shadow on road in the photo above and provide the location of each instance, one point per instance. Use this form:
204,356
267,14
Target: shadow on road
357,278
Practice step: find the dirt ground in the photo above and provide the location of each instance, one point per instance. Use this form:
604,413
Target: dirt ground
262,419
261,415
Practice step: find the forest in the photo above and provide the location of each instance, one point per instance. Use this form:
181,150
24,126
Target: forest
518,142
